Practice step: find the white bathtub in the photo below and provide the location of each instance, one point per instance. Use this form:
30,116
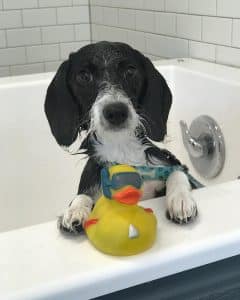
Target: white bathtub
38,180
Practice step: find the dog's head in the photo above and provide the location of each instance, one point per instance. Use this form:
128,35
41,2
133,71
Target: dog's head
108,88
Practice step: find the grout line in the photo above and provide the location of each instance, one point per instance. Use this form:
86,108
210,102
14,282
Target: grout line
165,35
215,53
43,7
6,39
41,34
43,45
170,11
37,26
56,14
176,22
26,57
90,21
22,18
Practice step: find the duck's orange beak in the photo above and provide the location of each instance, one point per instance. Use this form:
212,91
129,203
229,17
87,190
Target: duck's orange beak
128,195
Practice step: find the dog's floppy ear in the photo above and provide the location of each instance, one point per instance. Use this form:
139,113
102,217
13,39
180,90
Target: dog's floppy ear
61,108
156,101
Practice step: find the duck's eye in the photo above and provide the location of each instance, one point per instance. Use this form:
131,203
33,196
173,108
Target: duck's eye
130,71
84,76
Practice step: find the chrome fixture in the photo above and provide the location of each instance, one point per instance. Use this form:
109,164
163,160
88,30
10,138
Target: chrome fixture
205,145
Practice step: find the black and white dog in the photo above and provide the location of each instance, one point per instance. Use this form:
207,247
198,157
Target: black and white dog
108,100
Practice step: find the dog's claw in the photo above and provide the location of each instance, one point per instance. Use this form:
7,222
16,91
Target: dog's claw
180,221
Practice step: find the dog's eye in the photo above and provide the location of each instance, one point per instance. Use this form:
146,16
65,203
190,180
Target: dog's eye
84,77
131,71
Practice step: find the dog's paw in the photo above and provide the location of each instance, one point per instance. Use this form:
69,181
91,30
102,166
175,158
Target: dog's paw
76,214
181,207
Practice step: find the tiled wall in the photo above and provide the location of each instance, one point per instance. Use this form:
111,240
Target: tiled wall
204,29
36,35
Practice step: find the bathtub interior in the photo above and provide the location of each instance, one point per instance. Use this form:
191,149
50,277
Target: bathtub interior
196,93
38,179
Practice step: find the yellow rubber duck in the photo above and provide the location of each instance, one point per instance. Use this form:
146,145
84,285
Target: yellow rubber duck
117,225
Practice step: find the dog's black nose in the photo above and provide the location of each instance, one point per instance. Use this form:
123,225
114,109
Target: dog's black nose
116,113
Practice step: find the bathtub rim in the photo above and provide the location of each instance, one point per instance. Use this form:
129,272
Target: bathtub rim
147,267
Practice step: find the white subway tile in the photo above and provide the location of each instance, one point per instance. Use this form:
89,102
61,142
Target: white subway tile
165,46
110,16
55,34
12,56
16,4
97,14
236,33
203,7
95,2
42,53
112,34
137,40
54,3
70,15
22,37
217,30
4,71
153,5
82,32
202,51
10,19
80,2
189,27
39,17
177,5
2,39
165,23
138,4
145,21
228,56
228,8
52,66
27,69
95,32
126,18
67,48
153,57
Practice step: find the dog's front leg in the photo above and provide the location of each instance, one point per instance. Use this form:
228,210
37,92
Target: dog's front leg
80,207
181,207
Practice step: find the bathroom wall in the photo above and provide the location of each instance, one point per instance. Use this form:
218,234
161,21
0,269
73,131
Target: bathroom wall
204,29
36,35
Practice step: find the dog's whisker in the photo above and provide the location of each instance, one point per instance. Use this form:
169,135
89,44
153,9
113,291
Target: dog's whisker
145,123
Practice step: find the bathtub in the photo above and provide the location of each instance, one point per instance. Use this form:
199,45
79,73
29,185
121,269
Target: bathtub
38,179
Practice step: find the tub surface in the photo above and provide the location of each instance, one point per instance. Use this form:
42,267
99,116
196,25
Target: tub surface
38,179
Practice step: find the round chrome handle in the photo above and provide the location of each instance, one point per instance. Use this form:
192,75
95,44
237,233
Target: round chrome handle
205,145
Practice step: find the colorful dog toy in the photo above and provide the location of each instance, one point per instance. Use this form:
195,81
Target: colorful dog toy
117,225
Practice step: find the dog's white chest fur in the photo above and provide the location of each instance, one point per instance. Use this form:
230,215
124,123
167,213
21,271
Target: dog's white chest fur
122,150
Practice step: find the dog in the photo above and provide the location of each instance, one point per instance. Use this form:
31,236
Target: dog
109,102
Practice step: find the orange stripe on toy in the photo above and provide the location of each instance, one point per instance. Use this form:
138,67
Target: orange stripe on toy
149,210
90,222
